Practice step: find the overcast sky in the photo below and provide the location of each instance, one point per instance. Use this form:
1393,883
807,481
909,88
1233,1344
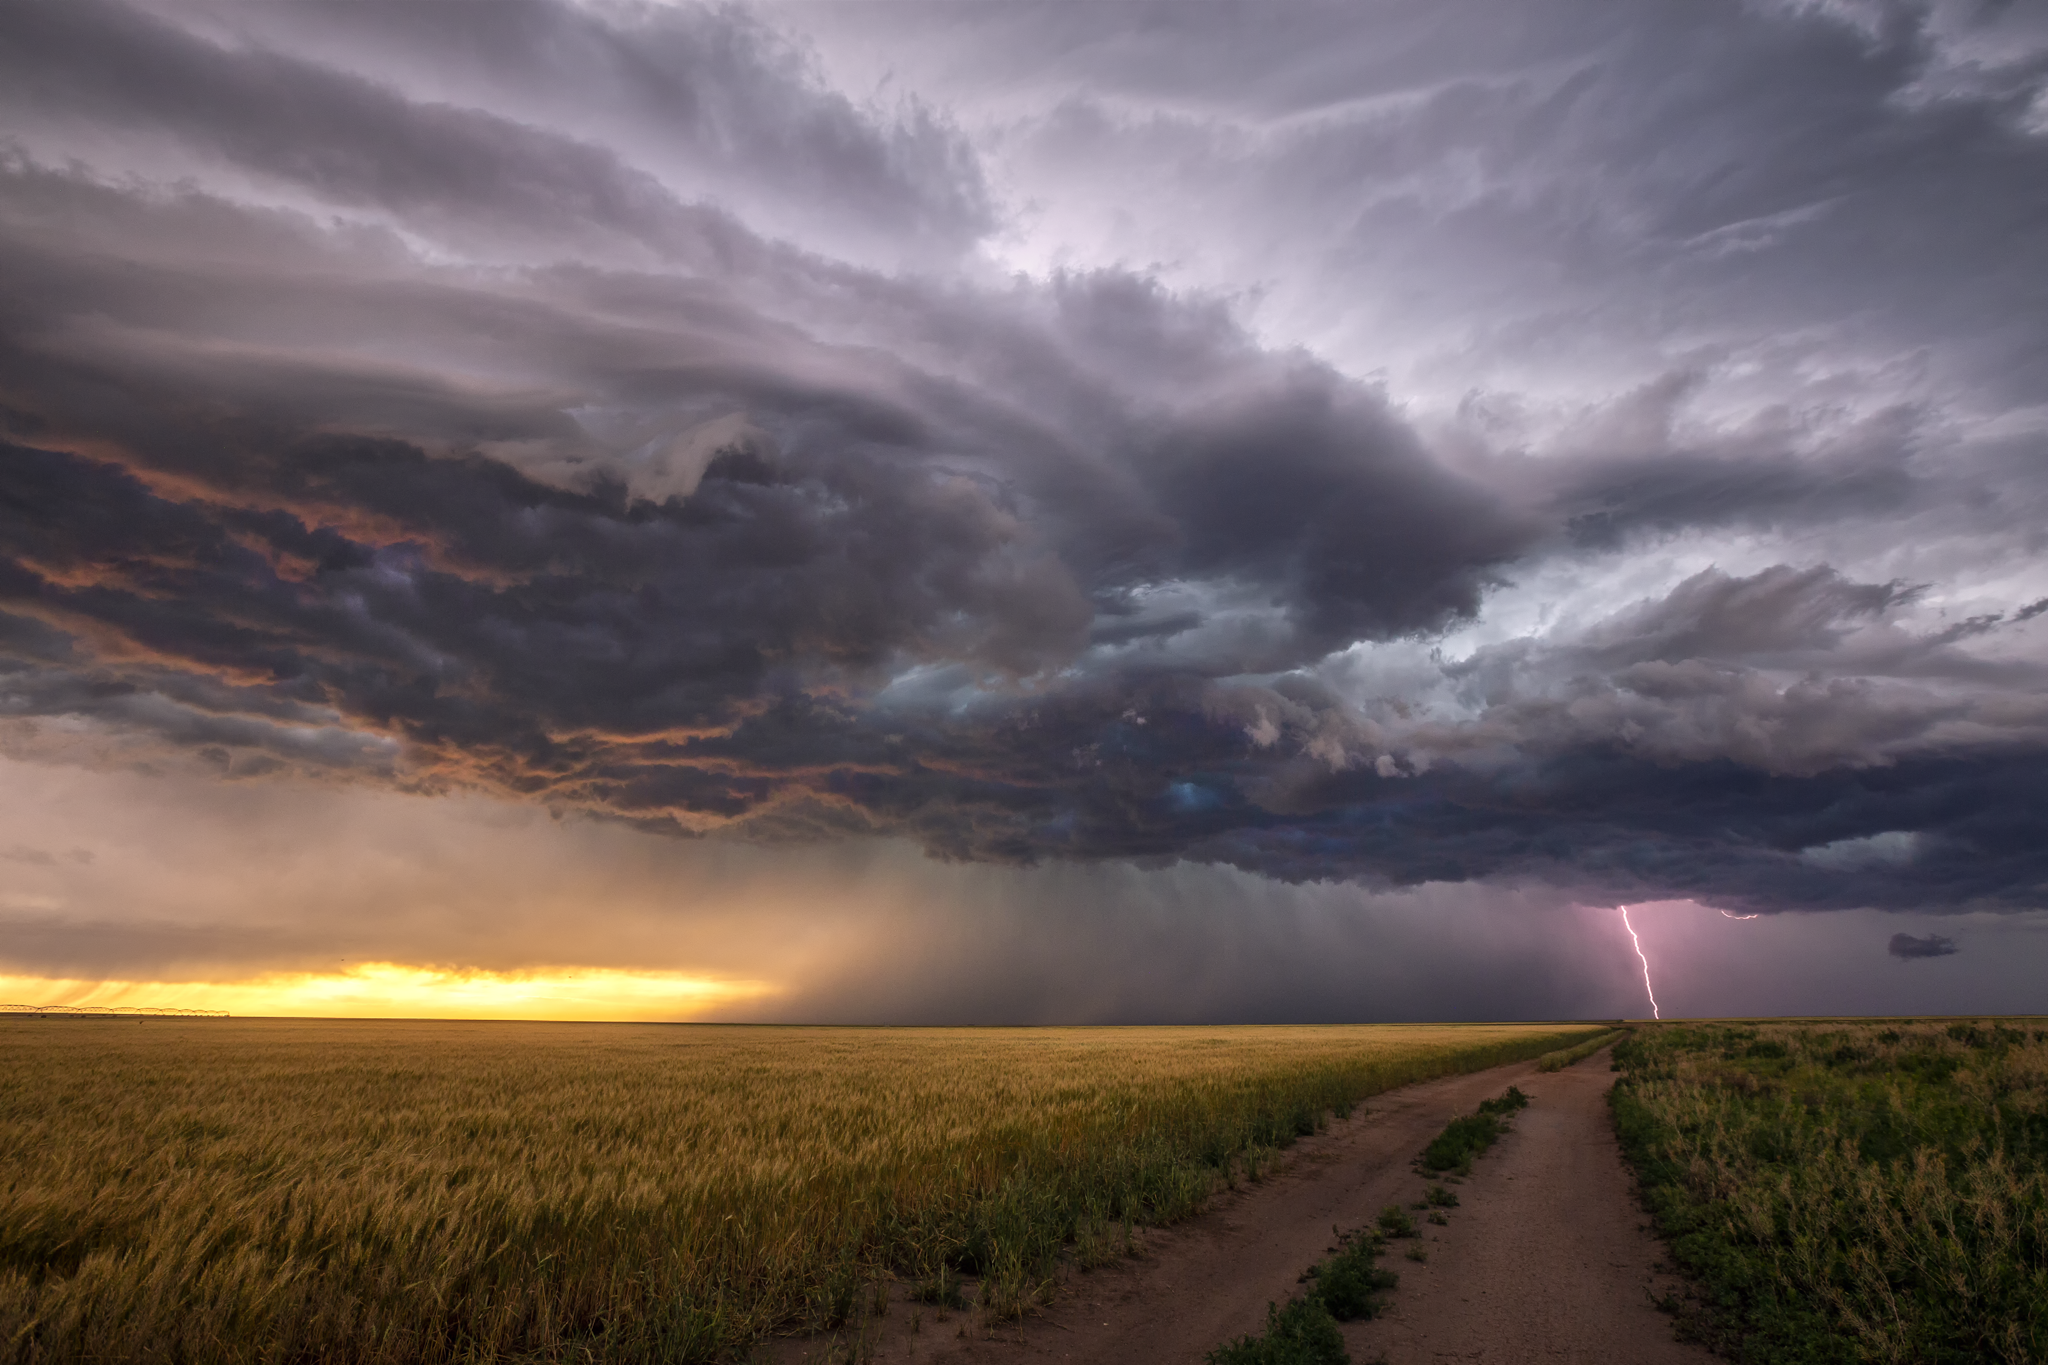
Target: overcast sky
1032,512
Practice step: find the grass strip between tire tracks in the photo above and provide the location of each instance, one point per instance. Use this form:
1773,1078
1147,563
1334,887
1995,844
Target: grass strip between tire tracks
1350,1285
1572,1056
1346,1287
1469,1135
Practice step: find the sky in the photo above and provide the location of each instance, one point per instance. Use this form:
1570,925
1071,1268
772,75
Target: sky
1041,513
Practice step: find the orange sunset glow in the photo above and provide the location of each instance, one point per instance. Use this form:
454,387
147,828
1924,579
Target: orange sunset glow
396,990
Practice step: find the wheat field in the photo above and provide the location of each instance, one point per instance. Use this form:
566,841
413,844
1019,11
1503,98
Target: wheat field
213,1190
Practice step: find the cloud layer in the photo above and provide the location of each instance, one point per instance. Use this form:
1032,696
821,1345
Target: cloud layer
1397,449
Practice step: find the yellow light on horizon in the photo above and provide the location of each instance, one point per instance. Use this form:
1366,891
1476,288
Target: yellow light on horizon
398,990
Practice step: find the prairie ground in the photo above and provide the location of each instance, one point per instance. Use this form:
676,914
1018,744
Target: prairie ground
352,1191
1849,1192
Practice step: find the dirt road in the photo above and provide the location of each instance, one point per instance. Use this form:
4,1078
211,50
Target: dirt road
1546,1257
1544,1260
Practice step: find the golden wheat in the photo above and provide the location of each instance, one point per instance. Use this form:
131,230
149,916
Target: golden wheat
355,1191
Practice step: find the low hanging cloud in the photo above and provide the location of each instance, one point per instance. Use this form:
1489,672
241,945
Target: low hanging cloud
375,418
1908,947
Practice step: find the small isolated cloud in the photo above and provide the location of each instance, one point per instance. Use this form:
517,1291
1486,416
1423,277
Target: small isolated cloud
21,853
1934,945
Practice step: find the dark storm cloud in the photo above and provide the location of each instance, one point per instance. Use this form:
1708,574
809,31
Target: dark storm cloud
425,424
1554,182
713,82
665,662
1908,947
1754,269
1634,477
711,100
1789,670
339,137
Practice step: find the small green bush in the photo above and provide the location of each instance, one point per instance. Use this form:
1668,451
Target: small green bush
1347,1287
1350,1284
1395,1222
1465,1138
1511,1101
1460,1141
1302,1333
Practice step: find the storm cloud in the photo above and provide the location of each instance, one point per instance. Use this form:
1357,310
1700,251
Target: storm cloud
1389,447
1908,947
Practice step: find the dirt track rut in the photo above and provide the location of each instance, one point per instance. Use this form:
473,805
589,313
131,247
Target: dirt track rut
1545,1259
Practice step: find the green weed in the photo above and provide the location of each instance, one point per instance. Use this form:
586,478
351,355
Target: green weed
1461,1140
1511,1101
1350,1283
1842,1192
942,1289
1465,1138
1302,1333
1564,1057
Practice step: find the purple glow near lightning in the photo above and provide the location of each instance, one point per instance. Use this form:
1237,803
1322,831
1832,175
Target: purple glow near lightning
1644,958
1648,990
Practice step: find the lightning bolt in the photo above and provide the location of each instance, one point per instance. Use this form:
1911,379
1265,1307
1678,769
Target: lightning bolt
1648,989
1726,915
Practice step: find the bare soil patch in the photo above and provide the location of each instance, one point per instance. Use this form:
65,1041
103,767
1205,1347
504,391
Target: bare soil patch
1547,1257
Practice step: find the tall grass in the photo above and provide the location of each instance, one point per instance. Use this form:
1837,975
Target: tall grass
329,1191
1850,1192
1572,1056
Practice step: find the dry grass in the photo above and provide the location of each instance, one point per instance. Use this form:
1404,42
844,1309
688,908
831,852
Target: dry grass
1851,1192
1572,1056
329,1191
